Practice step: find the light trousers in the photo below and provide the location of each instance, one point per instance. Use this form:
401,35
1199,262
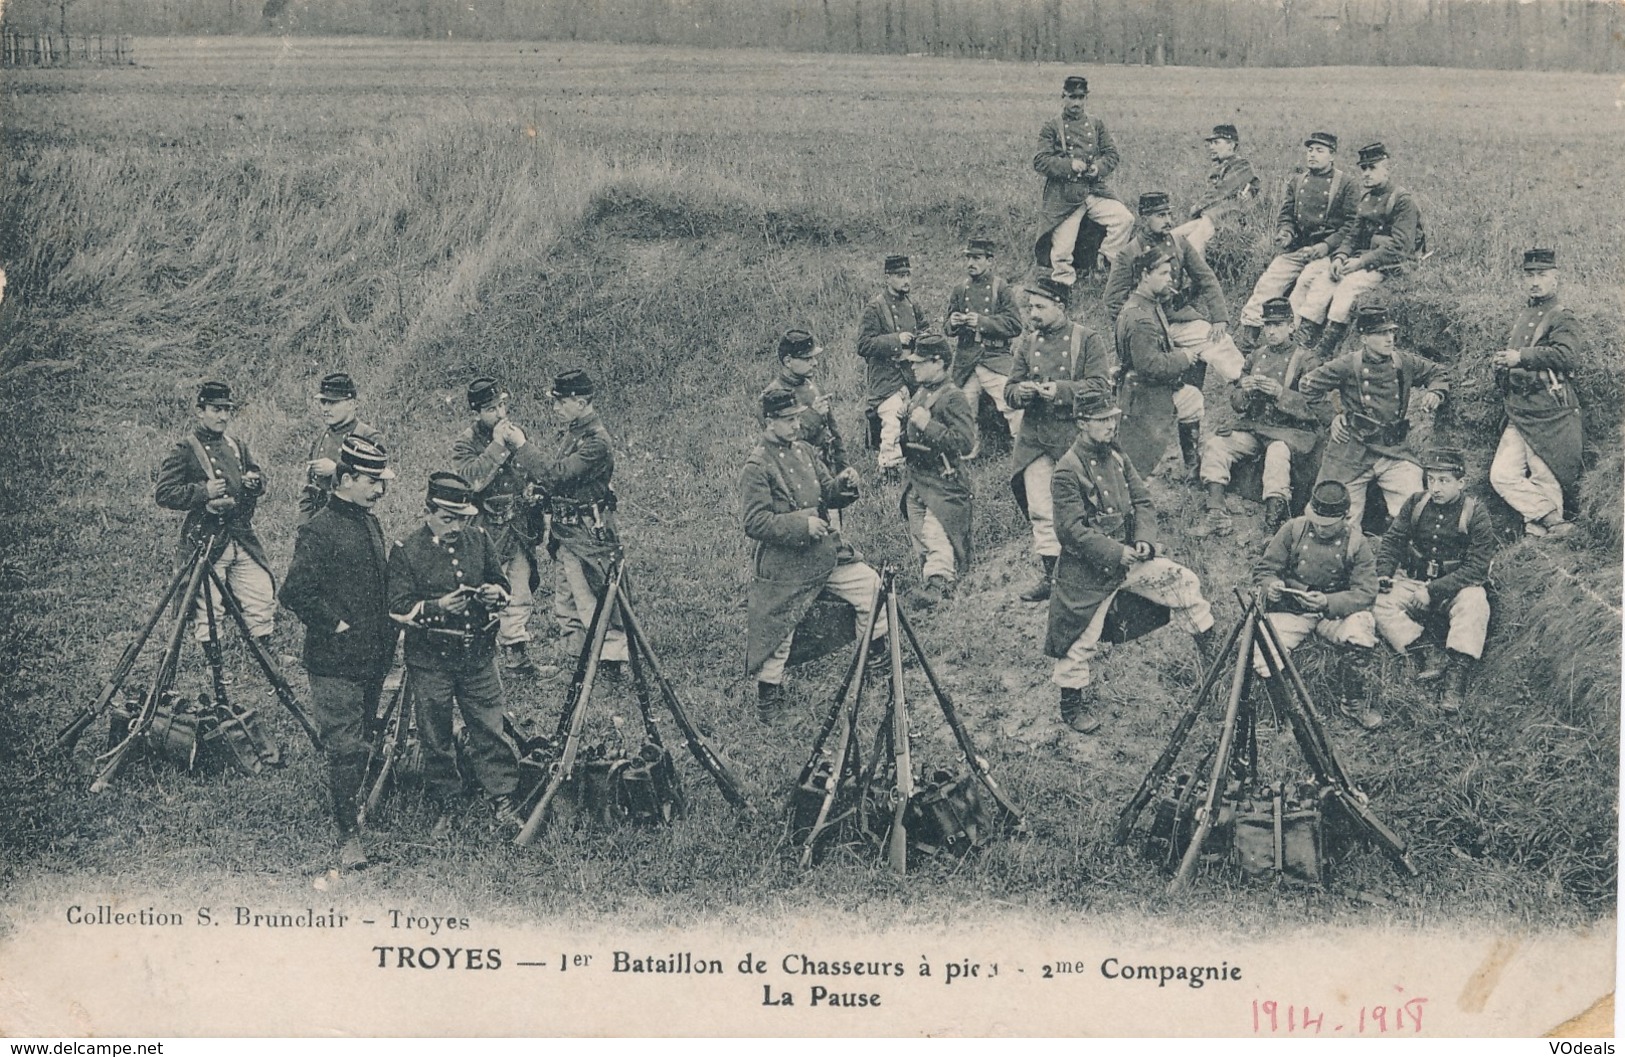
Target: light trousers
250,584
1277,281
573,603
983,380
854,584
1160,580
1398,479
1523,479
1220,453
512,621
1469,614
931,543
1114,216
1038,476
1320,299
1198,232
1221,354
890,411
1356,629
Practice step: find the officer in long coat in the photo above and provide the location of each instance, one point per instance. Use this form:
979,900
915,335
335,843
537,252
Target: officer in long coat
1075,156
337,585
785,494
938,432
1537,462
1056,361
1108,529
339,401
1153,367
984,316
214,477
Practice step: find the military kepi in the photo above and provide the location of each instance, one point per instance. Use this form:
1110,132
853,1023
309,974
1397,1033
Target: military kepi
1150,257
1372,153
1450,459
1050,289
1095,404
1324,139
797,344
1076,84
1278,310
928,347
1224,132
215,394
1539,260
1153,202
572,383
363,457
1374,320
979,247
896,263
337,386
484,392
779,403
1329,499
449,492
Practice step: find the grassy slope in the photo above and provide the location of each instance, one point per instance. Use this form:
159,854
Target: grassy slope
270,211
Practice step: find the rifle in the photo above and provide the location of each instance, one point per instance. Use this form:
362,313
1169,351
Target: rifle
902,766
284,692
387,746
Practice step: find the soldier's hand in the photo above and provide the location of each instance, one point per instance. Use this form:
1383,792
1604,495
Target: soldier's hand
1318,251
322,467
919,418
822,404
1218,330
906,338
1269,387
1078,166
848,477
1339,266
493,595
1340,429
253,482
1272,591
1025,391
1283,239
1249,383
1313,601
1507,357
453,602
1047,390
214,488
221,505
1144,551
971,319
817,527
1128,556
1429,401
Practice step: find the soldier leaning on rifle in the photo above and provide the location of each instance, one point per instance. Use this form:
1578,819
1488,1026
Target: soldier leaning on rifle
445,584
1368,440
338,400
1317,204
888,326
337,585
1107,528
1273,418
1435,560
938,431
1231,187
581,504
484,455
1056,361
984,316
1382,240
798,358
214,478
1075,155
1538,459
785,495
1193,309
1320,577
1158,405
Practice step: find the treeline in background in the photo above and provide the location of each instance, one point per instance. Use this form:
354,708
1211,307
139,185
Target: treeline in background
1496,34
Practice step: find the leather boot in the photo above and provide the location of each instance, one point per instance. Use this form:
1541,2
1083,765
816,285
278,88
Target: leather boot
1076,714
1332,338
1190,447
1039,592
769,700
1217,521
1434,664
345,776
1247,340
1275,511
1455,683
1351,696
1309,332
1207,647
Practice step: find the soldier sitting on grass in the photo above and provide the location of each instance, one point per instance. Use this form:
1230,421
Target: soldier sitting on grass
1231,187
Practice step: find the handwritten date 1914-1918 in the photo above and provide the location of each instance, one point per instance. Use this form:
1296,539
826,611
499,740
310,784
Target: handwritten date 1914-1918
1402,1015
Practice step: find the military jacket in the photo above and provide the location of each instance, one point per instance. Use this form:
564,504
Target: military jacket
1072,135
1317,207
423,568
998,320
1426,540
1344,570
183,485
576,478
1152,370
498,484
1230,182
1539,395
1383,236
1371,386
1288,417
1196,293
327,445
885,319
1047,426
818,428
339,575
935,449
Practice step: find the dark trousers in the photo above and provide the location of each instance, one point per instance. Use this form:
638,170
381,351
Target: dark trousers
342,708
478,694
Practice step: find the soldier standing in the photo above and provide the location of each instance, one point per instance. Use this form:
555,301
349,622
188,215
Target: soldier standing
1273,419
1317,203
938,431
984,316
1369,440
445,582
1107,528
1158,405
1383,239
338,400
1055,362
1538,459
890,322
785,495
798,358
215,478
1231,186
337,586
1075,156
1319,577
1435,560
484,455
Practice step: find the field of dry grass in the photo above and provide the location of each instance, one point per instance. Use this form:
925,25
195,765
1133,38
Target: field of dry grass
268,211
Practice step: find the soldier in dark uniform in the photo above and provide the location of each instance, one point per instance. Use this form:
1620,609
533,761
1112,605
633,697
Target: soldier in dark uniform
1273,419
984,316
1368,441
785,495
1231,187
1107,527
1434,561
337,586
484,455
1055,362
581,507
938,431
1319,576
1317,204
1075,156
1153,367
890,322
1383,239
1538,461
798,358
338,400
445,587
215,479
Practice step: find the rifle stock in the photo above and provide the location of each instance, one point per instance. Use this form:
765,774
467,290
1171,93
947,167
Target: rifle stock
902,765
284,692
393,721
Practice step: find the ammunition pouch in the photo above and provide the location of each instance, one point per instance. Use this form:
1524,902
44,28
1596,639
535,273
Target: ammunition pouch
175,733
202,734
1426,569
950,815
808,800
609,787
567,513
1369,430
1173,821
1280,837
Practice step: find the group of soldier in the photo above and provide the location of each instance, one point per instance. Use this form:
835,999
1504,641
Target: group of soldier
1090,418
